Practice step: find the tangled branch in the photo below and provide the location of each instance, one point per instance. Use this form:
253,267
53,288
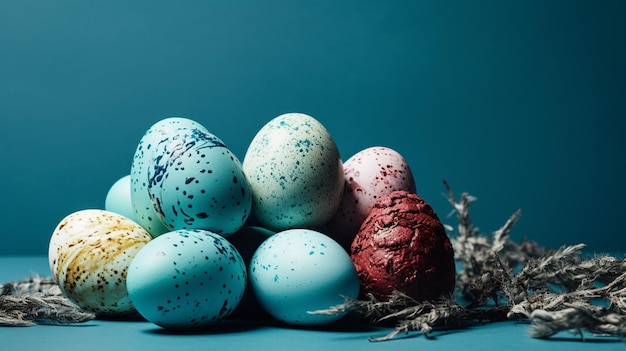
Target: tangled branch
37,301
555,290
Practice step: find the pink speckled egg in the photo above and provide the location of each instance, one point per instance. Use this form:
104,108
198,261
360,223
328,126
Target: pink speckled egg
370,175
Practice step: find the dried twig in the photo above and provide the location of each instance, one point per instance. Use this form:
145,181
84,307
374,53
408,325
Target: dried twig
37,301
554,290
547,323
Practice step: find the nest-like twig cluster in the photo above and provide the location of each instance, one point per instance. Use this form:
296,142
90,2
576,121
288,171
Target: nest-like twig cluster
37,301
555,290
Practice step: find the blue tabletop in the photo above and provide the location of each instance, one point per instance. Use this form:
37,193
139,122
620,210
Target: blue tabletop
267,335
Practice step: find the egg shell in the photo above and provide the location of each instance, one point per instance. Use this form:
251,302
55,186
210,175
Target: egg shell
118,199
402,245
298,271
194,181
89,254
370,174
142,169
200,184
295,173
188,278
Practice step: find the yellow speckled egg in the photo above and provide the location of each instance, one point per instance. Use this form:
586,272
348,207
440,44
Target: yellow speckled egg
89,254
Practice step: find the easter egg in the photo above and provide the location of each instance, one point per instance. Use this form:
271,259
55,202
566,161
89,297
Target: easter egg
295,173
184,177
402,245
188,278
89,254
143,168
298,271
118,199
370,175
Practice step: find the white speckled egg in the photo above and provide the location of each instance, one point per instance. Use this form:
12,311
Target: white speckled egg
300,270
89,254
187,278
118,199
295,173
370,174
192,179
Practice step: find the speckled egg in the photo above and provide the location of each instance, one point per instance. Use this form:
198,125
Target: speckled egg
89,254
187,278
295,173
191,178
298,271
143,168
370,174
118,199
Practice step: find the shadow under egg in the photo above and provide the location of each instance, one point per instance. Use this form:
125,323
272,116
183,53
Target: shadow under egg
221,327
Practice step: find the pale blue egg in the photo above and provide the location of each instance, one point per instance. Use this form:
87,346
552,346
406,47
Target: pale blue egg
118,199
142,169
187,278
295,173
192,180
298,271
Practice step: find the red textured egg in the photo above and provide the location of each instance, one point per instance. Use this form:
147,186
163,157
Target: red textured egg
402,245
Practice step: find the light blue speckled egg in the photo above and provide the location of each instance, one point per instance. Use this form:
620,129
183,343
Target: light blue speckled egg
187,278
142,169
298,271
192,180
295,173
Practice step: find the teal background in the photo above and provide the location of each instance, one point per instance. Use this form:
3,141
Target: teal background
520,103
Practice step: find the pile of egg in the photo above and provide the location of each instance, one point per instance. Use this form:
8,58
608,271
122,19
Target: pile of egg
192,233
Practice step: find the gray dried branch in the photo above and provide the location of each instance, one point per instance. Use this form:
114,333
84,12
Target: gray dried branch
554,289
370,307
547,323
567,269
37,301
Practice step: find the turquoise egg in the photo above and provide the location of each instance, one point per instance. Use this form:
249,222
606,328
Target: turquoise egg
298,271
185,177
187,278
142,169
118,198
